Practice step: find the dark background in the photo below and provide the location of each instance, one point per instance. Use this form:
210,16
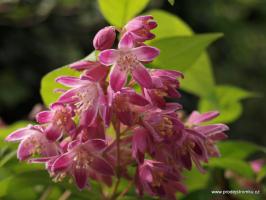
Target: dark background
38,36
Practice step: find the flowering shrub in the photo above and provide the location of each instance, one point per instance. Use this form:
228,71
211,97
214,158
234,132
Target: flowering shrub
118,92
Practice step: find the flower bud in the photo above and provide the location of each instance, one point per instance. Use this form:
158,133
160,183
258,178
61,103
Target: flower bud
105,38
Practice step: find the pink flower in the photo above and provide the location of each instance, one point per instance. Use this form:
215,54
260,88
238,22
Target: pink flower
156,128
33,141
127,105
165,85
158,179
257,165
86,97
198,143
127,59
105,38
140,28
163,124
94,70
58,119
81,160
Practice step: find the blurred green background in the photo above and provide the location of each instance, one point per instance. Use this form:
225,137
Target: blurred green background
38,36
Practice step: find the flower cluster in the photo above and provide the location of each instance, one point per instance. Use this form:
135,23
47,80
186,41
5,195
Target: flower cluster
117,93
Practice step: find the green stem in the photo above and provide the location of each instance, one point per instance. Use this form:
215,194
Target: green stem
117,132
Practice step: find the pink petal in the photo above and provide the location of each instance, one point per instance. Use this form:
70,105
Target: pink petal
145,174
146,53
70,81
82,65
53,132
197,118
118,78
142,76
138,99
44,117
212,129
108,57
95,145
97,73
101,166
88,117
40,160
125,117
81,177
63,162
69,96
126,42
25,149
20,134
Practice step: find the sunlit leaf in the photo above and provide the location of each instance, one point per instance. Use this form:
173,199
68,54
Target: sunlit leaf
172,2
48,84
239,149
181,52
118,12
226,100
199,78
262,174
178,26
239,166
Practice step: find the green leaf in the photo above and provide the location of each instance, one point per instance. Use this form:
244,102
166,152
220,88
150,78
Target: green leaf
119,12
199,78
239,166
181,52
172,2
262,174
4,185
177,28
48,84
226,100
237,149
192,178
7,157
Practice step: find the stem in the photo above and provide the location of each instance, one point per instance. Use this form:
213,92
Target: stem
46,193
65,195
117,132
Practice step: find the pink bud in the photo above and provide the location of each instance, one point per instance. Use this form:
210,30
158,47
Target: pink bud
105,38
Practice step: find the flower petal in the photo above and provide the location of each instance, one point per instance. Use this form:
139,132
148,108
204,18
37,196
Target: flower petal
25,149
146,53
108,57
197,118
97,73
95,145
142,76
101,166
212,129
62,163
20,134
69,96
118,78
53,132
81,177
88,117
70,81
44,117
127,41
